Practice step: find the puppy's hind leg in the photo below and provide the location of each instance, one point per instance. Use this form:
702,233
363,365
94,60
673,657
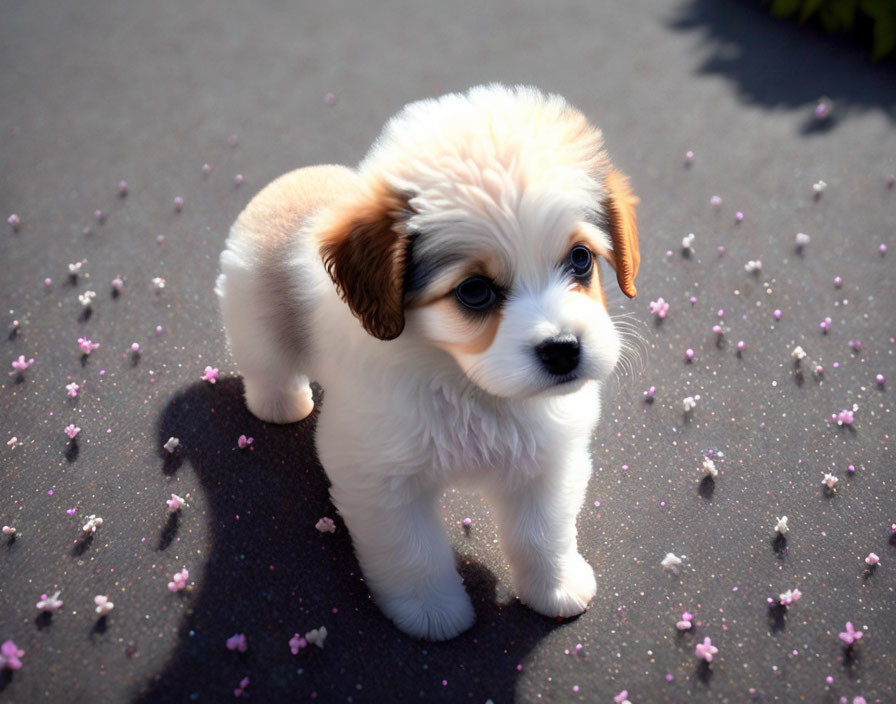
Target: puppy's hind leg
275,390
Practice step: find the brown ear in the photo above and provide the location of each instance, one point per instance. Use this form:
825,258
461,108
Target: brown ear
364,253
619,207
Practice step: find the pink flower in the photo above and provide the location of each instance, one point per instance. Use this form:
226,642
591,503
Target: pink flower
621,697
179,580
210,375
71,431
660,307
845,417
850,635
241,690
10,656
21,364
49,603
87,346
296,643
72,389
243,442
175,502
326,525
685,623
706,649
791,596
237,642
872,559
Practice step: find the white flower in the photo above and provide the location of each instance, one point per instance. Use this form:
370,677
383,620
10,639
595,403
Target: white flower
158,282
688,241
171,444
175,503
799,354
689,403
326,525
830,481
49,603
103,605
317,636
802,239
753,266
819,186
86,297
93,522
671,563
781,526
709,467
9,530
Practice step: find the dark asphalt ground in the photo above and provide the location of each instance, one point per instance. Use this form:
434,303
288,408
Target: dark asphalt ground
94,93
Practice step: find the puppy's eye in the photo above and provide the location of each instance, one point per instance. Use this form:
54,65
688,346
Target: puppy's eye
581,261
476,293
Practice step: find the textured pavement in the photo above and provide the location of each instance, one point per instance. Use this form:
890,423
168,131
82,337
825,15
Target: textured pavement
149,92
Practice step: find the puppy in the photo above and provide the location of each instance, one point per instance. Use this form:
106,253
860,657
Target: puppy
446,296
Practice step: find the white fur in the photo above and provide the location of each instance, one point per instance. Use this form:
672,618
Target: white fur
404,419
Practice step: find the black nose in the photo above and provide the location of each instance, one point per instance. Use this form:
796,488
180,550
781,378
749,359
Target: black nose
559,355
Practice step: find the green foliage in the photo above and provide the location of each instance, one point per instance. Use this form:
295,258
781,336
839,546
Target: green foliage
843,15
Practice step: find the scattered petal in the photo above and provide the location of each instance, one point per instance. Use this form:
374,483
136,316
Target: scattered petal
316,636
706,650
21,364
237,642
103,605
326,525
49,603
10,656
671,563
179,580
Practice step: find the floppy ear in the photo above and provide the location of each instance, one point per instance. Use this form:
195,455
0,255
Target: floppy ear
619,206
364,252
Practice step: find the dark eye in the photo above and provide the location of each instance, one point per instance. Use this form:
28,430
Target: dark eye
476,293
581,261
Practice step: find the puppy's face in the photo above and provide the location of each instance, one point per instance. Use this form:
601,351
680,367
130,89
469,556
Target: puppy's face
480,233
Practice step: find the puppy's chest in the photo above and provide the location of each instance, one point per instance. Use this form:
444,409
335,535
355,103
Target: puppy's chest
465,437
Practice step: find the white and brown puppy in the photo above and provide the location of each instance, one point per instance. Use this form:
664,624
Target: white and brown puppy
446,297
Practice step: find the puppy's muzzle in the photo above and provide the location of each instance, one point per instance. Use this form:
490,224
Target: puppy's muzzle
559,355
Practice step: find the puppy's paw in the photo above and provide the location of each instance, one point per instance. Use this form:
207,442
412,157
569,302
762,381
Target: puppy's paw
281,406
569,597
432,613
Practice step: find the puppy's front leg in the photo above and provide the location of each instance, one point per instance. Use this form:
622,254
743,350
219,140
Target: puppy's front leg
405,555
537,528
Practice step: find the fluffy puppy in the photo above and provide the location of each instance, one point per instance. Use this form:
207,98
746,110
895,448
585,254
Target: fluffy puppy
446,296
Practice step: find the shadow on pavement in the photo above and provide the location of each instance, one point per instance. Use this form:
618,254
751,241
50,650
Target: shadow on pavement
270,574
775,62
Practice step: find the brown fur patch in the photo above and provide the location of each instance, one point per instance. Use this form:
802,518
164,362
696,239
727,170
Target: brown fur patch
364,250
623,223
270,223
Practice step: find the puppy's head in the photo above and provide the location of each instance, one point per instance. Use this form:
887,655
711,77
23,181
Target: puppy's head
479,229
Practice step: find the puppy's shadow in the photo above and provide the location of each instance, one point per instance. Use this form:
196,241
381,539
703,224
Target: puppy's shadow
279,492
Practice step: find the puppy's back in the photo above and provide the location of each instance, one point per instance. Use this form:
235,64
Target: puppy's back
273,216
272,277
